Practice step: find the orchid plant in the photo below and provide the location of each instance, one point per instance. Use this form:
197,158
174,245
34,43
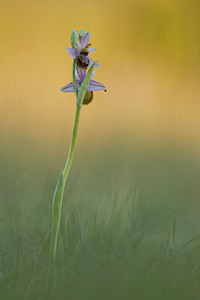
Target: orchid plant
83,86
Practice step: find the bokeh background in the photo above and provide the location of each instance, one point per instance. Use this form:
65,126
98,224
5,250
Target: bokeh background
140,138
149,52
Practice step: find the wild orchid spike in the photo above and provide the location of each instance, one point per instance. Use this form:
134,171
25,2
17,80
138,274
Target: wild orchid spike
83,85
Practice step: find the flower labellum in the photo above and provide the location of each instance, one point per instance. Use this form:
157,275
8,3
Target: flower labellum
88,97
82,60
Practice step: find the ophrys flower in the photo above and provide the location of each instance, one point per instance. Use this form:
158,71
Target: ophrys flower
93,86
82,51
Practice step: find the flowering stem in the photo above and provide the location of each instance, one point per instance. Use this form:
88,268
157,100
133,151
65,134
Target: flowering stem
59,191
72,146
58,197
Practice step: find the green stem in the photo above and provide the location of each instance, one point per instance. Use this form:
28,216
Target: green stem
57,201
74,78
72,146
59,191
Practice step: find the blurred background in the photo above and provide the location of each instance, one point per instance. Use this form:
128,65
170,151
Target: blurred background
150,57
141,137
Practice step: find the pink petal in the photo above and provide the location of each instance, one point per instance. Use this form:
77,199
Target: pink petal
92,49
79,46
85,39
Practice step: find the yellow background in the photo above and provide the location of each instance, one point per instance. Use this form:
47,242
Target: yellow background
150,57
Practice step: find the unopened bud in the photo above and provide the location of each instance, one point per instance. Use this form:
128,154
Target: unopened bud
74,38
81,33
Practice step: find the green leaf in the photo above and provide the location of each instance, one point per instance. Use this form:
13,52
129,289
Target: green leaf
57,199
57,207
85,83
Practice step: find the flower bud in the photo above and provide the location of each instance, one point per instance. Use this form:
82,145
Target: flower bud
74,38
81,33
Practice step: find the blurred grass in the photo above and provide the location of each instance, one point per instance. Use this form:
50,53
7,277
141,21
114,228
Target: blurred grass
117,232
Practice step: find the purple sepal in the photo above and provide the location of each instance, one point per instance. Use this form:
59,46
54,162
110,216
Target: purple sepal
68,88
95,86
72,52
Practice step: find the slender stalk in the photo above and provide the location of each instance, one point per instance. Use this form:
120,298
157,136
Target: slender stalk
57,202
72,146
59,191
74,78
